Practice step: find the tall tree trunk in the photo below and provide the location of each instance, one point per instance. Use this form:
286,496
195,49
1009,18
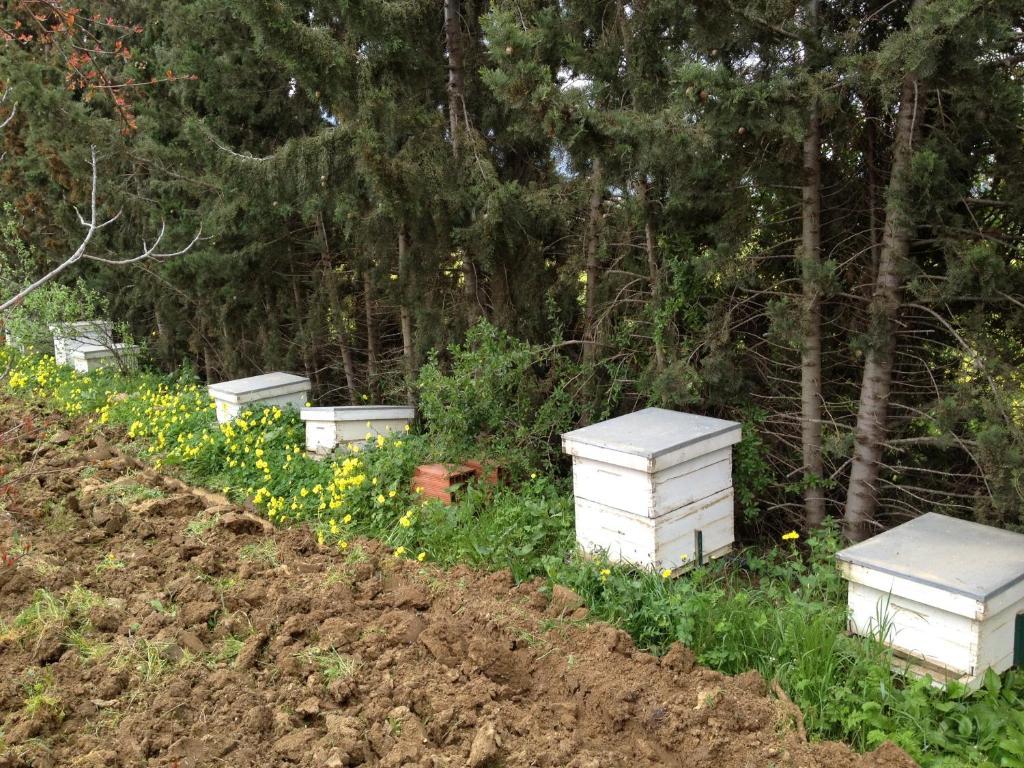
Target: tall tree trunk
592,250
372,345
457,126
503,311
871,119
653,270
872,413
810,348
300,334
456,71
340,320
408,341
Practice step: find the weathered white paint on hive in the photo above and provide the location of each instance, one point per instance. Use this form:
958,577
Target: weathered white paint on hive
265,390
940,591
93,357
328,427
668,541
647,482
653,494
68,337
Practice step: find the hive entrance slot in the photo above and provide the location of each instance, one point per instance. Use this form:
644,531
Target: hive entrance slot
698,546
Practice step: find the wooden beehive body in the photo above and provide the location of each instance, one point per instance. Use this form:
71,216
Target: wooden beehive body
329,427
93,357
946,595
69,337
269,389
654,488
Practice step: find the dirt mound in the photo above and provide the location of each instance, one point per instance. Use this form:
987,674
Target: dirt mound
142,623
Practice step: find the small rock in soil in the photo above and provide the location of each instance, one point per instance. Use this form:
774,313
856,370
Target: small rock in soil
485,746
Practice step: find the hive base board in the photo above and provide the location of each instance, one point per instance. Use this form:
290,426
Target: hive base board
940,677
906,664
678,571
230,411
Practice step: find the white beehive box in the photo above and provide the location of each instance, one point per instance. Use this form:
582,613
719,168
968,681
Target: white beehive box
68,337
93,357
329,427
268,389
654,488
945,594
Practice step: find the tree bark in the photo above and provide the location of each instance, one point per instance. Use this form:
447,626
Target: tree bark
339,311
872,190
372,346
456,71
408,341
300,335
457,126
592,250
653,271
810,348
872,412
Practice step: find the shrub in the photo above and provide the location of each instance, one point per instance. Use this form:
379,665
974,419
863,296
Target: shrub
498,395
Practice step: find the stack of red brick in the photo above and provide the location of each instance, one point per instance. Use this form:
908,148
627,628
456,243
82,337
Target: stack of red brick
444,481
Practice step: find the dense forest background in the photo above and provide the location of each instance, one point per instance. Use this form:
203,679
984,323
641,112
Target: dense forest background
806,216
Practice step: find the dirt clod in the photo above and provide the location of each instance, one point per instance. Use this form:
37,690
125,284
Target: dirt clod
485,746
241,522
563,601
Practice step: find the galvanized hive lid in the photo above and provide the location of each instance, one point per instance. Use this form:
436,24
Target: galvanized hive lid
369,413
966,558
259,387
652,438
83,324
98,350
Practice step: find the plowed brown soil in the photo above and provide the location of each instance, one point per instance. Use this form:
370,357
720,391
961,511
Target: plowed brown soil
146,623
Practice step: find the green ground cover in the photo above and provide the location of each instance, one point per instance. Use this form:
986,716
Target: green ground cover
779,608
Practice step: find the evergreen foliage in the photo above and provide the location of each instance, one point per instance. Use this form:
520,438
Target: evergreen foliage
622,184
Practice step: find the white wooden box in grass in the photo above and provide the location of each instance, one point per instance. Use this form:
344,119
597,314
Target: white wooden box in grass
68,337
328,427
268,389
654,488
13,341
945,594
91,357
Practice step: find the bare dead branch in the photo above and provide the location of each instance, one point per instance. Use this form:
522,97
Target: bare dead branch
92,226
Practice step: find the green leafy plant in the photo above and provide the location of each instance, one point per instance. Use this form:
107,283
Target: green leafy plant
498,395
